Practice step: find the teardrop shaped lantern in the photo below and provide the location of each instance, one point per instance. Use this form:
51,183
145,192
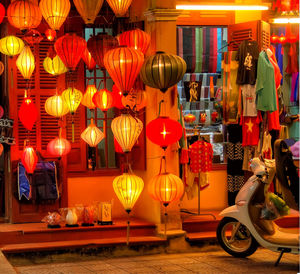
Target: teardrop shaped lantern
103,99
87,99
98,45
92,135
166,188
164,131
29,159
55,12
11,45
55,106
59,147
50,34
28,113
72,97
119,7
117,97
24,14
2,13
88,60
53,64
162,70
136,39
70,49
123,65
88,9
126,130
26,62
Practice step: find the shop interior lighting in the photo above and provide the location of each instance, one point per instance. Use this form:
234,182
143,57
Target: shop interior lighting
286,20
221,7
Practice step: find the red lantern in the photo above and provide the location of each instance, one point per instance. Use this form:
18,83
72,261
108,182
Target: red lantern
189,118
136,39
2,148
117,97
50,34
33,37
70,49
282,39
164,131
123,65
29,159
59,147
274,39
2,12
88,60
118,148
28,113
100,44
103,99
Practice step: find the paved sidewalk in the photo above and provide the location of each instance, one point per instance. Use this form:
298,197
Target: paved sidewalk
211,260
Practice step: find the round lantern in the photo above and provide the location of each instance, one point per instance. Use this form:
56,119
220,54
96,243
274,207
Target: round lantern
100,44
26,62
24,14
54,66
88,9
70,49
119,7
2,13
128,187
135,100
28,113
55,12
88,60
29,159
11,45
162,70
103,99
189,118
1,68
282,39
72,97
166,188
55,106
126,130
123,65
117,97
59,147
274,39
1,149
87,99
50,34
136,39
92,135
164,131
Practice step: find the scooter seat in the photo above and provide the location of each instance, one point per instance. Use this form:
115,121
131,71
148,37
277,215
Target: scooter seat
283,236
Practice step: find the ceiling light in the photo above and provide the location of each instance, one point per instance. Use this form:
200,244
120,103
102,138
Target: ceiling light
220,7
286,20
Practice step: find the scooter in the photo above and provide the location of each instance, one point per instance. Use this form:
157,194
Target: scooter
242,229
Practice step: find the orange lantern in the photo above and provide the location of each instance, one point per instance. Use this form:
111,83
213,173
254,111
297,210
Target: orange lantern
24,14
55,106
282,39
123,65
59,147
103,99
11,45
189,118
92,135
87,99
29,159
55,12
50,34
1,67
119,7
88,60
1,149
274,39
26,62
136,39
88,9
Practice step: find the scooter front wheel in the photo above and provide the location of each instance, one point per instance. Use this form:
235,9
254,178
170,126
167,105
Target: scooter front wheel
235,238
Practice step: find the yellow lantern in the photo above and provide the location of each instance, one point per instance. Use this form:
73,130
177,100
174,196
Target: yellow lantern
88,9
119,7
26,62
87,99
11,45
54,66
72,97
55,12
55,106
126,130
92,135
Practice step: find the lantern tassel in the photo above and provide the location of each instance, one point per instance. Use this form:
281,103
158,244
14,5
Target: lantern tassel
128,228
73,137
166,220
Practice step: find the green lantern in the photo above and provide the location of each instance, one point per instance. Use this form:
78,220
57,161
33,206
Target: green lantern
162,70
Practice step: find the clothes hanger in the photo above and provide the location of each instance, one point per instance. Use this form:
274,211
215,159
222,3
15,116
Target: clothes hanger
228,44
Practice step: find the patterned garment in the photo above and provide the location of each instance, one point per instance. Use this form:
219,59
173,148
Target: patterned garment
201,155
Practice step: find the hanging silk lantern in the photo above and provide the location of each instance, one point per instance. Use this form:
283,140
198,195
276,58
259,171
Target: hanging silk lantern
128,188
162,70
92,135
28,113
72,97
164,131
123,65
88,60
55,106
1,149
274,39
119,7
29,159
59,147
103,99
136,100
88,9
70,49
282,39
33,37
2,13
166,188
11,45
53,64
55,12
117,146
87,99
24,14
1,68
117,97
126,130
98,45
136,39
26,62
50,34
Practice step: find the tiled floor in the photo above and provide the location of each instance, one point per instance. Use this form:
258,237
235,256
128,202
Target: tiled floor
208,261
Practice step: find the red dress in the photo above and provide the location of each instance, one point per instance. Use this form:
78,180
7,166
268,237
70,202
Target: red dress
201,155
